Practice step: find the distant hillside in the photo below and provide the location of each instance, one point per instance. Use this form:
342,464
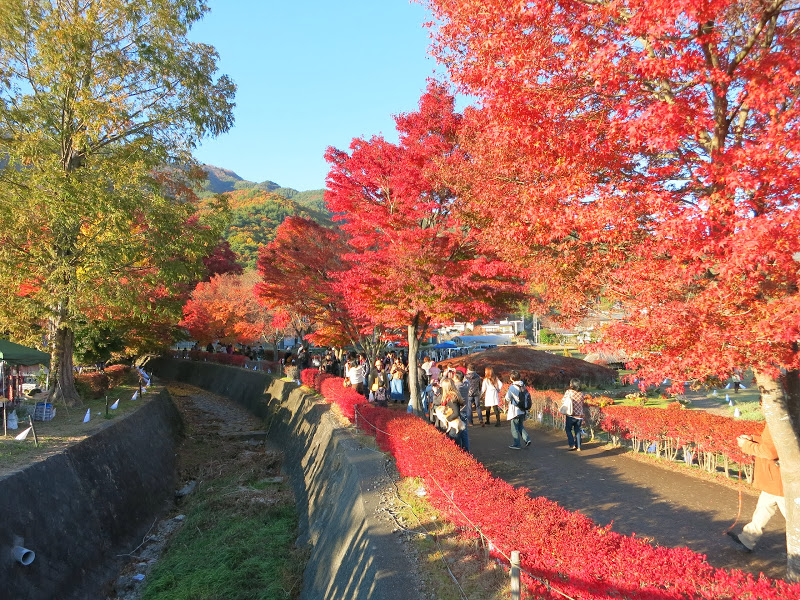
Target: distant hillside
221,181
258,208
256,214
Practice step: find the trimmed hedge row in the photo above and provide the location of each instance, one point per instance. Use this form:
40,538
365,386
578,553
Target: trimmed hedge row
99,382
601,564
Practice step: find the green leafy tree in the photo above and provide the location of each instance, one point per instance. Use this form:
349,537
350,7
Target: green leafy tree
98,99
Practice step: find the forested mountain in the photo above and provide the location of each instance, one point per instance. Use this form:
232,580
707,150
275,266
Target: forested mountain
256,213
224,180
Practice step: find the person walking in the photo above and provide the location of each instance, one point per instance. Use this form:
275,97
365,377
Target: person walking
426,368
490,390
516,413
379,385
451,407
431,399
462,385
572,407
354,372
767,478
434,372
397,373
474,395
736,379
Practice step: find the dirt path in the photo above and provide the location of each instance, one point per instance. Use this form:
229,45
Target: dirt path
671,508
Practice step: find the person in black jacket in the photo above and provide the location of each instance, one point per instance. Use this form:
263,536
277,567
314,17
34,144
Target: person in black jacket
474,393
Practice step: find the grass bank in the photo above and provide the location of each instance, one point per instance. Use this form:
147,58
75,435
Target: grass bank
68,426
226,550
237,540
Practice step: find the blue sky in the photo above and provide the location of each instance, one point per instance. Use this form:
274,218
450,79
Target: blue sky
312,74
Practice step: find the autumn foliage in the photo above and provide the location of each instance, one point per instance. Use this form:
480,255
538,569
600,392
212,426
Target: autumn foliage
99,382
226,309
298,272
652,147
544,532
414,262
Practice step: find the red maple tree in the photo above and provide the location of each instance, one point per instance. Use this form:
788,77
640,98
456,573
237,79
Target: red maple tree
222,260
298,272
652,147
226,309
413,261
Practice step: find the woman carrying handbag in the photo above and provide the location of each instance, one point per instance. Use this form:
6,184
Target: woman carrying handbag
572,408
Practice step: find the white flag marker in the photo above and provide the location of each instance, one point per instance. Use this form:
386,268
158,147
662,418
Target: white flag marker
24,434
88,416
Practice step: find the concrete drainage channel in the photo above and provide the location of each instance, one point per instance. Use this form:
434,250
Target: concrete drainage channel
65,516
337,483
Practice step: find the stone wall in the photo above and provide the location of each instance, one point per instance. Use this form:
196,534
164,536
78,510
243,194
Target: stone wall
81,507
337,481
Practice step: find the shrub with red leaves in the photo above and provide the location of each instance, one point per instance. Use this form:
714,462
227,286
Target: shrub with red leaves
236,360
544,532
696,430
99,382
96,383
116,374
307,377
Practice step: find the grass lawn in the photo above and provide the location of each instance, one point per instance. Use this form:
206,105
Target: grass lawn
224,551
67,427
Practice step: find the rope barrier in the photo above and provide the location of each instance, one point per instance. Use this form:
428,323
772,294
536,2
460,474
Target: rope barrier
546,583
426,532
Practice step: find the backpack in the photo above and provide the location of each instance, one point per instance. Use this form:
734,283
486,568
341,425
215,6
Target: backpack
474,381
524,402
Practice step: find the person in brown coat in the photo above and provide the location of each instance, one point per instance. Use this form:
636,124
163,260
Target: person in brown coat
767,478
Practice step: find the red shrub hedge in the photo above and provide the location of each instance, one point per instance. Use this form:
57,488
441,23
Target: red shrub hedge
99,382
236,360
307,377
574,555
696,430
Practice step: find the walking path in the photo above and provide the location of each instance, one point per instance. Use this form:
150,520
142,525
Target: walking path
670,508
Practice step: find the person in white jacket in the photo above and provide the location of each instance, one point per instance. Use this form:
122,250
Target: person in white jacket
355,373
490,390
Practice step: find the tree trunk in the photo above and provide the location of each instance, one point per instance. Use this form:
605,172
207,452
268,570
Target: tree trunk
413,380
416,328
780,410
62,367
372,345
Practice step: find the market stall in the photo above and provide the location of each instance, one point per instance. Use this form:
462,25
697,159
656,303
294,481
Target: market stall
14,356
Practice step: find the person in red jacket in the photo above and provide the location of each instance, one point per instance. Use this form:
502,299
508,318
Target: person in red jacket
767,478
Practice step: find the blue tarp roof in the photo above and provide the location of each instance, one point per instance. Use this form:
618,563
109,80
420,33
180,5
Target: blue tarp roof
442,345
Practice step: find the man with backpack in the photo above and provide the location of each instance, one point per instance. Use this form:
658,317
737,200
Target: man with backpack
474,393
519,402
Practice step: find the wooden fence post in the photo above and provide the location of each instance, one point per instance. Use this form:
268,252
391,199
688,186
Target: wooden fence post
515,589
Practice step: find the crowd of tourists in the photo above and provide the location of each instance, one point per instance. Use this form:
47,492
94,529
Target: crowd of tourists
452,399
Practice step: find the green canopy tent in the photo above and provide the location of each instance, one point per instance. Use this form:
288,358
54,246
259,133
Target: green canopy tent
16,355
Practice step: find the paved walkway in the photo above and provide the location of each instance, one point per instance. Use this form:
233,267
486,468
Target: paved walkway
670,508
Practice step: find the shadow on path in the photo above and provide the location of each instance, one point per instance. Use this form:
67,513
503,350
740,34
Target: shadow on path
669,508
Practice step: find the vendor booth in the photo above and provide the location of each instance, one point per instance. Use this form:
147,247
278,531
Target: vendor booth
14,356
